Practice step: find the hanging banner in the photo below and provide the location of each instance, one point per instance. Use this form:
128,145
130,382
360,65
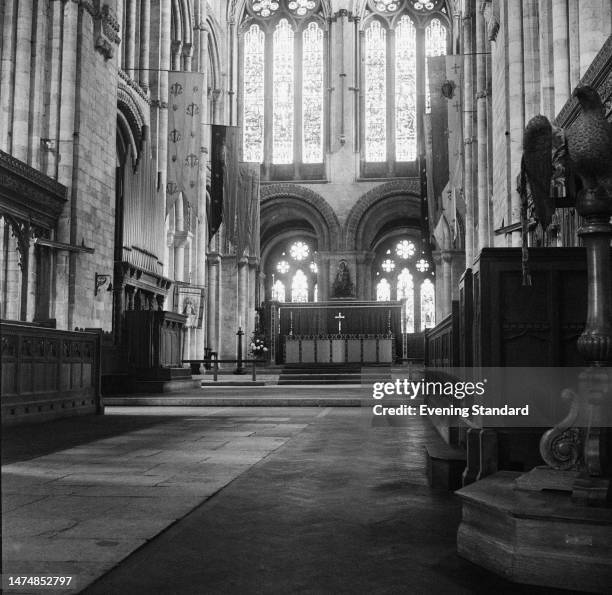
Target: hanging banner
247,211
184,137
223,183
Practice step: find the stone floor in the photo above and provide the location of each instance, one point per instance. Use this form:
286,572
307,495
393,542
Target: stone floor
232,500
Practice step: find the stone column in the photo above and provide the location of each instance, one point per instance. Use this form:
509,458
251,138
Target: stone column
145,41
531,58
595,28
547,91
447,282
516,108
482,130
560,53
574,37
130,38
21,84
7,69
468,125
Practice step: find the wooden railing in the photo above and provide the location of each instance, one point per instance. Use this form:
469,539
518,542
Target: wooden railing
442,341
48,373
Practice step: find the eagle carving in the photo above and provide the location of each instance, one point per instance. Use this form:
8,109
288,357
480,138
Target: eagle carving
553,157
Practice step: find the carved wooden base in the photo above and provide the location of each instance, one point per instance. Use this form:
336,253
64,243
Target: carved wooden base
536,538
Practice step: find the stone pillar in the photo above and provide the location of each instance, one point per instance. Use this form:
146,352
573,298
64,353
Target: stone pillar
531,58
574,35
145,41
130,38
7,69
482,130
447,282
468,125
547,91
595,28
560,53
21,84
516,108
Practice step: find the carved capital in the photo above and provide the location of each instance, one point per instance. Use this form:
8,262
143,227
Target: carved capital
106,30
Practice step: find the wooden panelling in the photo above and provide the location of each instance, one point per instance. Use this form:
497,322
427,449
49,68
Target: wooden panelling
48,373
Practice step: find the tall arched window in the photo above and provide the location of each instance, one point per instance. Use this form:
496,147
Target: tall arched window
253,117
282,128
376,92
403,272
398,36
283,84
292,271
428,305
299,287
435,45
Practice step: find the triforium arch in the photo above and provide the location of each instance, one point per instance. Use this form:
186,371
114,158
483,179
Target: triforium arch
284,205
394,204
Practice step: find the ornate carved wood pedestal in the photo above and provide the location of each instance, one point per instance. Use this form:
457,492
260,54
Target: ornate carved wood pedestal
553,526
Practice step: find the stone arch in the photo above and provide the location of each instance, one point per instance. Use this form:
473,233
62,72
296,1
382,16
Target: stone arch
378,207
290,202
130,118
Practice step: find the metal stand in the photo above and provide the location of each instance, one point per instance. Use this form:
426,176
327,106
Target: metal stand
581,441
239,364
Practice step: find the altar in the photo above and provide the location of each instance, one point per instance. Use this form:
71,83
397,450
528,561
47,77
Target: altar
339,349
336,331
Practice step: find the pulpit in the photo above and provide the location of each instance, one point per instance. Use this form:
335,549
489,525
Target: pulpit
154,346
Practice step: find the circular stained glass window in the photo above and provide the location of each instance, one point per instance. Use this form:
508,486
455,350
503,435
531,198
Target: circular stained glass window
282,267
405,249
264,7
299,251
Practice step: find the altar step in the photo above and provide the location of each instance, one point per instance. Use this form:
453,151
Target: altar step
325,374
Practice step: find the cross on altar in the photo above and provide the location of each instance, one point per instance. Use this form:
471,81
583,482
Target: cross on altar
339,318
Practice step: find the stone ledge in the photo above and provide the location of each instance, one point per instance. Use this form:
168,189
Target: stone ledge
537,538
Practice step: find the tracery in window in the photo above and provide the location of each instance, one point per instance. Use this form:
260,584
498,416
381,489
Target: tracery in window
312,94
253,117
265,7
375,92
383,291
428,306
299,251
435,45
282,121
278,291
405,249
299,287
405,90
301,7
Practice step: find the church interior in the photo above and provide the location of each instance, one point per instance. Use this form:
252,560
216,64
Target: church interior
221,221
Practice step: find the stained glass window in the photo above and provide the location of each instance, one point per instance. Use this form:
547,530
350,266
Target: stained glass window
375,92
253,117
405,90
299,251
265,7
388,265
278,291
435,45
301,7
282,267
405,291
312,94
315,292
282,122
299,287
428,305
383,291
405,249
